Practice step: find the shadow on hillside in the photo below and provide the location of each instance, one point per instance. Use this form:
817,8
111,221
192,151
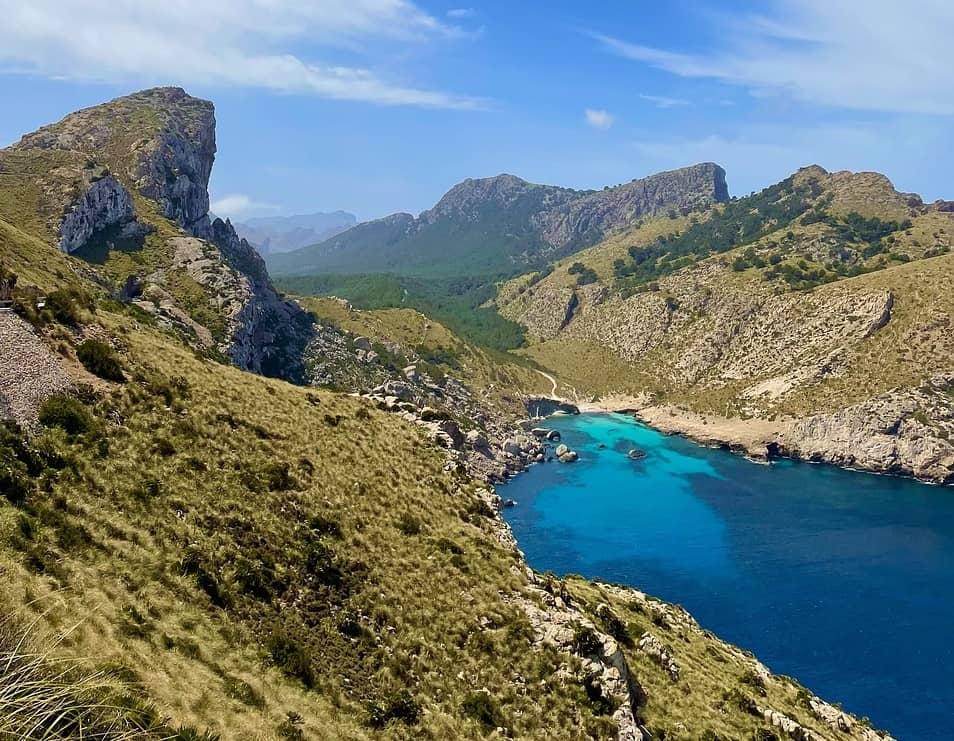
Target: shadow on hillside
113,239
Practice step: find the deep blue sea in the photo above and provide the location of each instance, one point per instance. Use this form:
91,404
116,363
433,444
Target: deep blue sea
843,580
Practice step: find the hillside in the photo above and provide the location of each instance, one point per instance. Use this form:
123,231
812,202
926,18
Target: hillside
818,306
192,550
501,225
272,234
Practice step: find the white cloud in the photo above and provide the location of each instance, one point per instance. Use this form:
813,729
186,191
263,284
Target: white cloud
461,13
876,55
661,101
246,43
598,119
238,204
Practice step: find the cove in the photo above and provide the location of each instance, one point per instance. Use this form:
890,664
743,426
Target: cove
842,579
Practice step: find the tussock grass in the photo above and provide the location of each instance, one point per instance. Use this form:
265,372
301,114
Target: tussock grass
44,697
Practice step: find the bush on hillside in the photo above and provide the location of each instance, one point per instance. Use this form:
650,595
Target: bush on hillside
101,360
291,656
401,707
67,413
64,305
19,464
483,708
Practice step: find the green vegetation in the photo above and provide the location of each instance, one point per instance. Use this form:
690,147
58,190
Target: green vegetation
457,302
584,274
739,222
100,359
67,413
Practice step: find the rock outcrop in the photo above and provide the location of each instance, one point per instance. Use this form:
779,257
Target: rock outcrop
104,204
159,144
906,431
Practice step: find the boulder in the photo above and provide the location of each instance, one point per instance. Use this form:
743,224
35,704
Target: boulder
399,389
553,436
636,454
512,447
362,343
569,456
540,432
477,440
561,450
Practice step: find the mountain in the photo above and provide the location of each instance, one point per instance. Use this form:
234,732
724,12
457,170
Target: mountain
811,319
271,234
501,225
124,187
190,549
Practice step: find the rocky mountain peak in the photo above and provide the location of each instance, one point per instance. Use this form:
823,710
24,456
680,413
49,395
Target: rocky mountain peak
471,198
158,142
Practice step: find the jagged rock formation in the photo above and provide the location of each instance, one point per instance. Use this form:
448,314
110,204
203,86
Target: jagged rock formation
906,431
160,141
104,204
501,224
123,167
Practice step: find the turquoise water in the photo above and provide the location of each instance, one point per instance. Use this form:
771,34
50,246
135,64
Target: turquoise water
844,580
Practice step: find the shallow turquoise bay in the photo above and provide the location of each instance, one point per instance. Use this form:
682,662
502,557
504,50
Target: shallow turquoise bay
844,580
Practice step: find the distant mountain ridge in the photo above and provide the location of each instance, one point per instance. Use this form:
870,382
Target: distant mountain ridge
502,225
273,234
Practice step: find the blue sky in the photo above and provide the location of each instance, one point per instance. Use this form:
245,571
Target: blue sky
376,106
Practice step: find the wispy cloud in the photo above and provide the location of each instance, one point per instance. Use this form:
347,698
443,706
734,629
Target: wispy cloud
598,119
245,43
460,13
239,204
660,101
876,55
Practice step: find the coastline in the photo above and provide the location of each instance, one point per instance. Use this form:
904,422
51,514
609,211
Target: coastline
761,440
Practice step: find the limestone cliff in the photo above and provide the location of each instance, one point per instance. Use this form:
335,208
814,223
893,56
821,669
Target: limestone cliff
122,169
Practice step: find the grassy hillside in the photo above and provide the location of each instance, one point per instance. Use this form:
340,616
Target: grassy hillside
266,560
459,303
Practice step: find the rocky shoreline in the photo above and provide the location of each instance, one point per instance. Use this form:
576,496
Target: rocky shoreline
903,433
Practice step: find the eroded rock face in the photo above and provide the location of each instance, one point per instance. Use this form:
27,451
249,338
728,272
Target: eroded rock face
904,431
595,214
104,204
160,142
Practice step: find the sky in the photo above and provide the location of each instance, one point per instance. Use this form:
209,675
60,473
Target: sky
378,106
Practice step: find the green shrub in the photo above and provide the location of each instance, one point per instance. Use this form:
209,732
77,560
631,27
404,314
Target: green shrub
483,708
291,656
586,642
101,360
278,477
290,728
64,305
614,625
401,707
245,693
19,464
409,524
67,413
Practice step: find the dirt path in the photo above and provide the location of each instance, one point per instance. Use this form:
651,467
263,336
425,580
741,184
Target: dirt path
551,379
